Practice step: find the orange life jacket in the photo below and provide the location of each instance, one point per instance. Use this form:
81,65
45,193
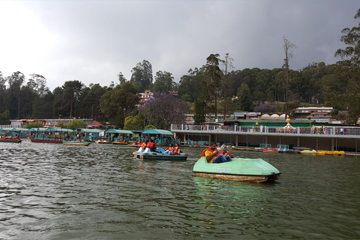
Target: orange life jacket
222,152
176,150
143,145
151,146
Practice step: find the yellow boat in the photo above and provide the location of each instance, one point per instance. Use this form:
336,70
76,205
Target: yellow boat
329,153
310,152
338,153
322,153
120,143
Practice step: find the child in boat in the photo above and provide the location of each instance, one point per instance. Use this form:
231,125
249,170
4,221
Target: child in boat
223,150
169,150
213,155
176,150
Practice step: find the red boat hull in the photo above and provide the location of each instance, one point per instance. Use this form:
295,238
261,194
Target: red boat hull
11,141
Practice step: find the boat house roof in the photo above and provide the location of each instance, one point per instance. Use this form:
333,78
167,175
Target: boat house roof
87,130
15,129
118,131
37,129
157,131
58,130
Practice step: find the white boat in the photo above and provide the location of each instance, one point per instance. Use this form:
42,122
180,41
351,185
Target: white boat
102,141
158,155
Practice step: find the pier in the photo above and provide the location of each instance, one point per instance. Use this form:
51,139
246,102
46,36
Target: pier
319,138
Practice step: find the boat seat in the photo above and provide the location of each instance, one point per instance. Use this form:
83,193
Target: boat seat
147,150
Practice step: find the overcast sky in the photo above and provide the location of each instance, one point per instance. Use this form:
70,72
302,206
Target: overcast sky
92,41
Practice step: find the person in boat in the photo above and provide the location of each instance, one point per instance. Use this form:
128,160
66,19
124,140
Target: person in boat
214,156
169,150
144,144
151,146
223,150
176,150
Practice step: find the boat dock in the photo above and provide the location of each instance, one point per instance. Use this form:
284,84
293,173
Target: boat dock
246,138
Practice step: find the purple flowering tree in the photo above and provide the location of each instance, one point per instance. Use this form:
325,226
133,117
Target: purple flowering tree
264,108
163,110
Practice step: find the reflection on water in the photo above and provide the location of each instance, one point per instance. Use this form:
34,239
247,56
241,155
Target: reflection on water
102,192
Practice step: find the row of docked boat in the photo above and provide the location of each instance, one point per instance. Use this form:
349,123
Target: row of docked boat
11,139
58,141
323,153
105,141
307,152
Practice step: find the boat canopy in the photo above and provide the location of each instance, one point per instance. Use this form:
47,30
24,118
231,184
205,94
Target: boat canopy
157,131
117,131
59,130
14,129
50,130
86,130
21,129
37,129
7,129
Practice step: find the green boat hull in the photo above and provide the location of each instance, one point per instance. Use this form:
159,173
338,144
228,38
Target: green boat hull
239,169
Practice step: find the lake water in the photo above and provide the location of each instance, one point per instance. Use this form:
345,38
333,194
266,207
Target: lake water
101,192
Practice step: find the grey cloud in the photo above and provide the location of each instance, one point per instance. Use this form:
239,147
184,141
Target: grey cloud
98,39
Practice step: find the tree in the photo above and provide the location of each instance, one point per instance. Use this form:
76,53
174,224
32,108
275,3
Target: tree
59,105
264,108
33,125
163,110
5,118
200,111
89,101
72,90
164,82
61,125
214,75
119,103
15,82
75,124
37,83
122,79
348,71
2,92
190,84
186,98
244,97
351,37
142,76
150,127
288,54
134,123
226,83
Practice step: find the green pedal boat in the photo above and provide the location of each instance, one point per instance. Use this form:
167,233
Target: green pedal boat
239,169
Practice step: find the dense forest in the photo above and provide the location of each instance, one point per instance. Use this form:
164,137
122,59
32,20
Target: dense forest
215,88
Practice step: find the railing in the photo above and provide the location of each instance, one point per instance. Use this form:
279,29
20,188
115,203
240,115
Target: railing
344,131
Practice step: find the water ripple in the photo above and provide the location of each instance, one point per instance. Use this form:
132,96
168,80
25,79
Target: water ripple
102,192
